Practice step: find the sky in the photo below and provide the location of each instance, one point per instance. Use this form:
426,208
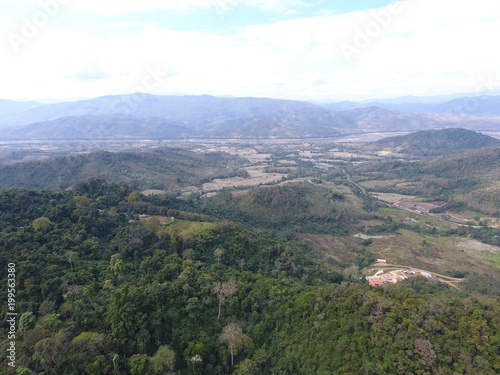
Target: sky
316,50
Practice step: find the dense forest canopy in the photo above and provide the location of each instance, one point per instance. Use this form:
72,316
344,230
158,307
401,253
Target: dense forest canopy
110,281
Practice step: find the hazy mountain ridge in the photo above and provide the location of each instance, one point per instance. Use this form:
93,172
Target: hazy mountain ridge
12,107
102,127
484,106
171,117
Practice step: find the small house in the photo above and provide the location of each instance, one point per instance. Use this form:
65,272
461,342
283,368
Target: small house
376,282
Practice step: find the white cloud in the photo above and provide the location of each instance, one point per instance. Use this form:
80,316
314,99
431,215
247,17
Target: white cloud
111,7
120,25
427,48
117,7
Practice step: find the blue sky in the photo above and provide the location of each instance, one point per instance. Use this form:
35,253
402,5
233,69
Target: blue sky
296,49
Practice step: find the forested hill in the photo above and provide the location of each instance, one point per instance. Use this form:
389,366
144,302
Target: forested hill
103,288
161,168
435,142
469,177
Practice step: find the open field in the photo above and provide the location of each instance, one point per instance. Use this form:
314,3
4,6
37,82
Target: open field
375,184
332,248
479,246
392,198
434,253
257,177
412,249
250,153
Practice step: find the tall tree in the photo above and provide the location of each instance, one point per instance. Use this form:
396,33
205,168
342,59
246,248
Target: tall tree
224,292
232,335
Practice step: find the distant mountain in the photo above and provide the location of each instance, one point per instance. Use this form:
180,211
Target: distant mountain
435,142
267,127
162,168
485,106
343,106
480,106
167,117
195,111
380,119
103,126
428,99
12,107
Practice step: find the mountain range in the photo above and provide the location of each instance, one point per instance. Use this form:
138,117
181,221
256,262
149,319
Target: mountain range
173,117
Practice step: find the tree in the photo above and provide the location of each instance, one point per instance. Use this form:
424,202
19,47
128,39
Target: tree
26,321
163,361
241,264
154,224
23,371
426,352
42,224
232,335
138,364
246,367
224,292
218,253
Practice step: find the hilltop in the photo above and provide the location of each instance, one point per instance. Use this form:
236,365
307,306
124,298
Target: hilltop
161,168
470,177
435,142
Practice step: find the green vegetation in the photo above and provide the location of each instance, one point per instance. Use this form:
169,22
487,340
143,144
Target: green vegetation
162,168
293,207
469,178
263,280
113,282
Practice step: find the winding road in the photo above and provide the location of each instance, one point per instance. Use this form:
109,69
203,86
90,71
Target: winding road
355,184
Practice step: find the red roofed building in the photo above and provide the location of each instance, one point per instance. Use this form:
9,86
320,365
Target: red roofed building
387,277
376,282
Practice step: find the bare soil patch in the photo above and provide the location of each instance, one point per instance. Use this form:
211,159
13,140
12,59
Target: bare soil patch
478,246
257,177
393,198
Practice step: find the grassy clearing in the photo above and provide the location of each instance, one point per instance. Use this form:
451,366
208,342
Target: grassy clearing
257,177
333,249
393,198
374,184
437,254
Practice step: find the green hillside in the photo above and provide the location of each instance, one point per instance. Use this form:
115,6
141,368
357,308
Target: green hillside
471,177
162,168
303,206
435,142
103,289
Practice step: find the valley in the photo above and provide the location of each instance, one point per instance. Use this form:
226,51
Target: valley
373,200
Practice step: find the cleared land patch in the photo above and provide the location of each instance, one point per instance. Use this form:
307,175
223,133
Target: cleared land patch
392,198
478,246
257,176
